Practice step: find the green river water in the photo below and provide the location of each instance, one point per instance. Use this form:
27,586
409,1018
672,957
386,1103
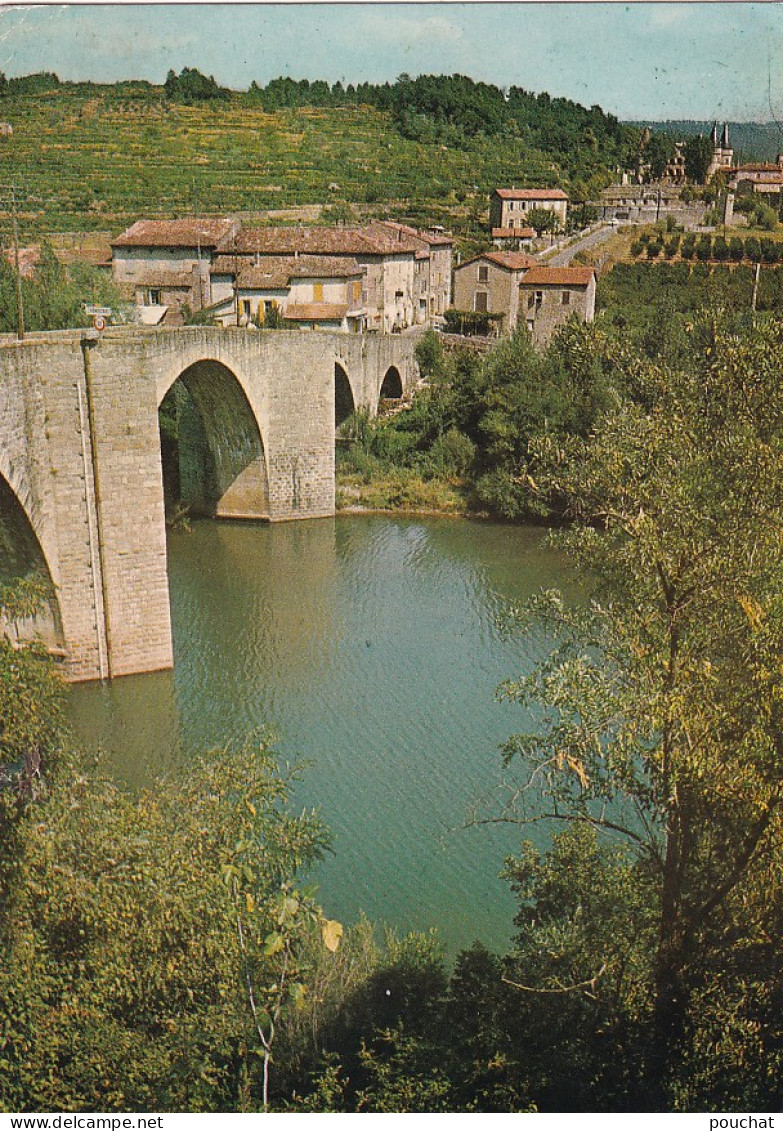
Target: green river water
371,646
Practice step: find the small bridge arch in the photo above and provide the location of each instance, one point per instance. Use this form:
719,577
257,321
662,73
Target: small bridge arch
391,386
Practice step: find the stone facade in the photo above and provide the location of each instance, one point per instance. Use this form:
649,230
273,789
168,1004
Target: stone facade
80,452
404,275
490,283
549,296
509,208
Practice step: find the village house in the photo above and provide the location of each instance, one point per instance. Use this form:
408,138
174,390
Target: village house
387,263
432,266
403,279
164,265
764,179
509,208
313,292
548,296
489,284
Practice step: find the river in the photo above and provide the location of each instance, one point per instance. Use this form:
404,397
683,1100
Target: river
371,645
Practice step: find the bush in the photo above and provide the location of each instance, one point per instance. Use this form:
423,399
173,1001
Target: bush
720,249
704,248
736,249
654,249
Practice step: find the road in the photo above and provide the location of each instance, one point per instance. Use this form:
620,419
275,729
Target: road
593,239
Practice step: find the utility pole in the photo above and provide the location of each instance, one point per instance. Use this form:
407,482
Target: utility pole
755,286
17,273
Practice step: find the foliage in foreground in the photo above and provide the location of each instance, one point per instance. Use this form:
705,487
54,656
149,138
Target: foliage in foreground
662,709
151,946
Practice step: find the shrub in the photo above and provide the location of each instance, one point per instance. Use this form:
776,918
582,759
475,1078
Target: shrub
704,248
720,249
736,249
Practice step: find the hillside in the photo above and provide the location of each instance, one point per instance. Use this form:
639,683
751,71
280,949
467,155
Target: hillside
89,157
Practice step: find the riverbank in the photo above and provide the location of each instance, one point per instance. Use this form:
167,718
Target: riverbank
403,490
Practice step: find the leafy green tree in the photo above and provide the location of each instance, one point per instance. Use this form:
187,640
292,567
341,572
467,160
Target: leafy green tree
190,87
662,702
542,220
658,152
697,154
152,946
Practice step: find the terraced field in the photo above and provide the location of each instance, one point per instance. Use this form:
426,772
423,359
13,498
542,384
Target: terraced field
82,159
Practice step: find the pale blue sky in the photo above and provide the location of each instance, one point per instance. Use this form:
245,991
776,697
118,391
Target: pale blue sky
637,60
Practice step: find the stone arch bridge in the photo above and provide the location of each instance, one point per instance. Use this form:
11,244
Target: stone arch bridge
81,470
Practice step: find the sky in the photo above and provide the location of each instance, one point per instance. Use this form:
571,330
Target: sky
637,60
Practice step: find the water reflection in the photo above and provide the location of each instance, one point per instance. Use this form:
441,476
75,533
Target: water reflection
371,646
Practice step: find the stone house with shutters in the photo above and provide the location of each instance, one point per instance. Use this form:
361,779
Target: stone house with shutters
165,264
387,263
489,283
312,292
432,266
509,207
549,296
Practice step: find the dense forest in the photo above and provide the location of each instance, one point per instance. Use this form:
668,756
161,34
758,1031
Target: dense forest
164,951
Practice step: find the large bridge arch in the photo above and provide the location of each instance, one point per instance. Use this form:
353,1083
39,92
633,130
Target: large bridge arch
217,442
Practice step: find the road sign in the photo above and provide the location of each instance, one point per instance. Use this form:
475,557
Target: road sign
99,322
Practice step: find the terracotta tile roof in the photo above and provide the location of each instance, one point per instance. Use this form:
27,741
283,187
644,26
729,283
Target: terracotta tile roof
512,233
275,271
191,231
531,194
316,312
558,277
760,168
160,280
416,235
319,241
510,260
325,267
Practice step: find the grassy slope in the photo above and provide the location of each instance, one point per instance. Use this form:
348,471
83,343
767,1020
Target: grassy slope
87,160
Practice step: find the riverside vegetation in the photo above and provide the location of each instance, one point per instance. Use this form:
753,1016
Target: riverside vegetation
163,951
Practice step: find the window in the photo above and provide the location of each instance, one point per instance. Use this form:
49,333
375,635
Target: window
357,291
480,302
483,273
246,307
153,298
565,298
318,292
539,298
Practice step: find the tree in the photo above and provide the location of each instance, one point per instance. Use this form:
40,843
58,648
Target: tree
663,701
190,87
152,946
658,152
542,220
697,154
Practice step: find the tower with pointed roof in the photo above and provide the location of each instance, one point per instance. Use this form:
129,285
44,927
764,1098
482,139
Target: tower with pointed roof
722,153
